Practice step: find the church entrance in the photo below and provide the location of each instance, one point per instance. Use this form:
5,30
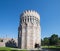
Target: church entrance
37,46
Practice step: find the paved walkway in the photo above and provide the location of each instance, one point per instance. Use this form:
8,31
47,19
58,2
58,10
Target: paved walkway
27,49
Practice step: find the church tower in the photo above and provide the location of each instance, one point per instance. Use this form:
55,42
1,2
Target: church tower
29,30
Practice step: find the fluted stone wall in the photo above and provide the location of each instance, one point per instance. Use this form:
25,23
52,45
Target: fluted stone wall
29,30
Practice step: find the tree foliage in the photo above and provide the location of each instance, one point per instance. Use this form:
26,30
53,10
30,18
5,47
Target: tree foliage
11,43
46,41
52,40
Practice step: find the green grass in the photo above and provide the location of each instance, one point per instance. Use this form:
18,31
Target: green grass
16,49
10,49
5,48
50,46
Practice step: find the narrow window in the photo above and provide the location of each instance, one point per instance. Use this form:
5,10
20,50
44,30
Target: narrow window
28,18
32,19
35,19
25,18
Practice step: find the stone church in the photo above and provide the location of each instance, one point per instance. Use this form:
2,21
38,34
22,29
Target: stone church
29,30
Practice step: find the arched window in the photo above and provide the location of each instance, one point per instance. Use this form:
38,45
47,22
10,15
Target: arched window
28,18
25,19
37,21
32,19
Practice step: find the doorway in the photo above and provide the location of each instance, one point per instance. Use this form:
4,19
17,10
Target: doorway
37,45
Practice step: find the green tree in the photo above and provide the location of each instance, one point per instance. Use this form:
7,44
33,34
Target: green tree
53,39
58,41
46,41
42,42
11,43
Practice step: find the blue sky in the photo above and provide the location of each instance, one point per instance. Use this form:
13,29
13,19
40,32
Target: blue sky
10,11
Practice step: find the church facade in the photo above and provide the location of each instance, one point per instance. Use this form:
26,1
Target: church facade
29,30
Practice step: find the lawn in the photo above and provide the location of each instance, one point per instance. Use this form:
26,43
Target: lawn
50,46
15,49
10,49
5,48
